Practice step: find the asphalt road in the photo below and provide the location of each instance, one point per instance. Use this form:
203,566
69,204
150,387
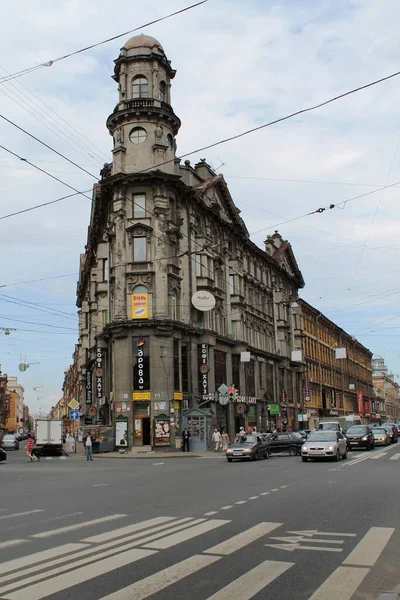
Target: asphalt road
126,529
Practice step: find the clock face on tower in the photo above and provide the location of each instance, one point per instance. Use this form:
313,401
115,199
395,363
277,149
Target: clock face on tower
138,135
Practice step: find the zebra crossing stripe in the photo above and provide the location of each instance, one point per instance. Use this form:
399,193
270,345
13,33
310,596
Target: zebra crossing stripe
163,579
38,557
342,584
66,580
243,539
187,534
75,526
252,582
395,457
123,531
10,543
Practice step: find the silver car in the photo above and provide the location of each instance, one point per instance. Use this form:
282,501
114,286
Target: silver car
324,444
10,442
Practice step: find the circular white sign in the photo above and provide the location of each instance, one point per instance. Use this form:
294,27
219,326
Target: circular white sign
203,300
223,399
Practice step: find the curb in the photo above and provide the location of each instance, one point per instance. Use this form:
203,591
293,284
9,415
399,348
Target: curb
154,456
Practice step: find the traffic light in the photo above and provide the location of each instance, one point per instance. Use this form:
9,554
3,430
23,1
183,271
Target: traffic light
232,394
236,395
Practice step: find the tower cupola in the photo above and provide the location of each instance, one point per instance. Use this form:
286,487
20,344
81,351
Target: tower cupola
143,124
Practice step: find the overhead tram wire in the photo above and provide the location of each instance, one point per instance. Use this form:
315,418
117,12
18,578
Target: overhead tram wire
74,132
25,210
45,172
50,63
47,146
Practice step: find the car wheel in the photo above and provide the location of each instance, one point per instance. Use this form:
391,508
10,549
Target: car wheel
255,456
266,455
337,457
344,455
229,459
292,451
304,458
368,447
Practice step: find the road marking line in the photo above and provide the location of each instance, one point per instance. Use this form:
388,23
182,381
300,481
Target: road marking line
159,581
395,457
311,532
296,539
291,547
226,507
10,543
241,502
188,534
80,575
100,484
103,550
275,490
51,532
264,493
156,464
252,582
253,497
63,458
22,514
342,583
243,539
369,549
38,557
378,456
123,531
283,487
210,513
368,456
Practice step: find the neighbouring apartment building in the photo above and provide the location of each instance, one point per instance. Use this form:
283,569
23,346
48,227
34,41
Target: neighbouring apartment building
15,419
386,403
152,357
338,371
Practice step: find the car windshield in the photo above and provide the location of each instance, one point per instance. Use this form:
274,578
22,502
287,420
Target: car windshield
9,437
322,436
247,439
380,430
356,429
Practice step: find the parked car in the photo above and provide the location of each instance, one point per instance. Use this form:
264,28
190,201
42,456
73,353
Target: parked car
381,436
398,427
10,442
250,447
360,436
324,444
290,442
395,436
3,454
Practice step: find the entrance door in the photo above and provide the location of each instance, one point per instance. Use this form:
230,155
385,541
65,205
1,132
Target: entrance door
146,431
239,422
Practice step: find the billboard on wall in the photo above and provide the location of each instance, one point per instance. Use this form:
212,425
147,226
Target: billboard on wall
141,364
360,404
140,306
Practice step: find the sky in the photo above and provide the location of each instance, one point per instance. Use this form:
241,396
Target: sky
239,65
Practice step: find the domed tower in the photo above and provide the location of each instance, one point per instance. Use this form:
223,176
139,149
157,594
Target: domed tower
143,124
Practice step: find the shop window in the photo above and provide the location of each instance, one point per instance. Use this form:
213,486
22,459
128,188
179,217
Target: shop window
219,368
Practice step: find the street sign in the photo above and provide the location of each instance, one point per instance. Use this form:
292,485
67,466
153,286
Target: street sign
223,389
223,399
73,405
74,415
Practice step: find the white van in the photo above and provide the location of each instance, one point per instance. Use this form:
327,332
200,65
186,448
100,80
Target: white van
339,423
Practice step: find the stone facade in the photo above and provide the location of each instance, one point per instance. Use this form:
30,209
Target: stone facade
334,386
386,405
159,232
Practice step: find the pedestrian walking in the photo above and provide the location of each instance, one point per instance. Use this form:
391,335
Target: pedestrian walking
185,440
35,451
225,440
88,447
241,434
30,444
216,438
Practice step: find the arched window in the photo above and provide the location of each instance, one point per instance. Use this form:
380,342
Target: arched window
138,135
139,289
163,89
140,87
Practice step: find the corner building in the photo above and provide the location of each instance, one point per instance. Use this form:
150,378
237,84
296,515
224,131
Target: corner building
150,362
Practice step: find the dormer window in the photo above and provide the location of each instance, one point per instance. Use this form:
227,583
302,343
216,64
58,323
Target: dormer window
140,87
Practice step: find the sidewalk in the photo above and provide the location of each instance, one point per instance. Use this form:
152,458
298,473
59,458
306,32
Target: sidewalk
140,454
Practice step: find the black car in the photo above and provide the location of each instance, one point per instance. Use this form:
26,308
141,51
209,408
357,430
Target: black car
285,442
3,454
360,436
249,447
